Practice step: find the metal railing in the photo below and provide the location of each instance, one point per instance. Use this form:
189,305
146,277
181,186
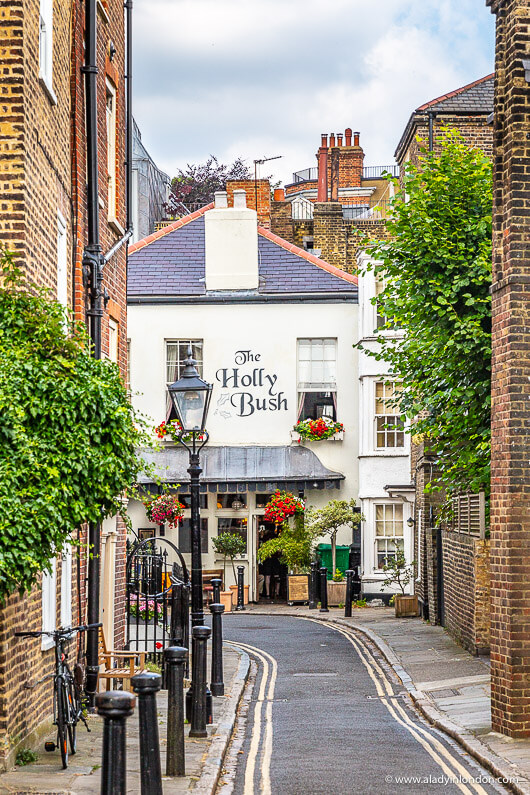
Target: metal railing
372,211
469,514
375,172
306,174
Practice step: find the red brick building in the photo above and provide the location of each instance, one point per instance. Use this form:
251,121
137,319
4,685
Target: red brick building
43,220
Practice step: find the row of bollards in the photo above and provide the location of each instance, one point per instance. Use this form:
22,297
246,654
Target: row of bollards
318,586
116,706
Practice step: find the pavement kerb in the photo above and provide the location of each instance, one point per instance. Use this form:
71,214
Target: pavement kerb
206,784
487,758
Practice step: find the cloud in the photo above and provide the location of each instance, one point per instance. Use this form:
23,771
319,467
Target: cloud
265,77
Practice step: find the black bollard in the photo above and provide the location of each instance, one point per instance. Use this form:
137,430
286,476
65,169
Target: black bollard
216,681
324,590
115,707
240,590
216,585
313,586
175,657
349,593
146,686
199,715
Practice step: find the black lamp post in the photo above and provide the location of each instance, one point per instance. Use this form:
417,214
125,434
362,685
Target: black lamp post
190,396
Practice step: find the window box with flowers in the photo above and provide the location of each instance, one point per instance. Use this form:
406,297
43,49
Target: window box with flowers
171,431
317,430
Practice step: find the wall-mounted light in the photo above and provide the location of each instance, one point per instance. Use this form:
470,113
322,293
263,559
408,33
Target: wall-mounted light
411,522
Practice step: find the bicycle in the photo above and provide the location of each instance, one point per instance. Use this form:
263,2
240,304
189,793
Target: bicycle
67,701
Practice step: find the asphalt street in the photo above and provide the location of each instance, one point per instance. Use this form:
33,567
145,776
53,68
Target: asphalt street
325,713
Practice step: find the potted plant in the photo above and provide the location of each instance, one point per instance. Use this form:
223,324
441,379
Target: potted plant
328,520
401,573
230,546
281,506
337,589
164,508
294,543
316,430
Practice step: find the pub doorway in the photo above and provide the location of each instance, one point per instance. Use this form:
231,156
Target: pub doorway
271,573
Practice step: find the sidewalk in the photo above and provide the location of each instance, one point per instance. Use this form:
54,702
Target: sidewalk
448,685
203,757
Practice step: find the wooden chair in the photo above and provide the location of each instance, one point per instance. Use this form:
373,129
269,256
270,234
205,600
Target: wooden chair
207,576
119,664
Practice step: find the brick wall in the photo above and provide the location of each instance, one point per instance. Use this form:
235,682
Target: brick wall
329,232
258,192
466,590
510,474
476,131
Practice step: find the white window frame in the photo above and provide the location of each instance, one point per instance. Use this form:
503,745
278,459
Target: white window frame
387,416
114,340
110,116
385,505
62,261
66,586
303,387
49,605
46,47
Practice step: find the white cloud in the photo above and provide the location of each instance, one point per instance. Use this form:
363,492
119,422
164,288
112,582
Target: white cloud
264,77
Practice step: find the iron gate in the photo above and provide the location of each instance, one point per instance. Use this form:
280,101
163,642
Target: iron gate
158,588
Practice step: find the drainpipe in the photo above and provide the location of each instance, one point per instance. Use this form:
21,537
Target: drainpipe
431,116
93,278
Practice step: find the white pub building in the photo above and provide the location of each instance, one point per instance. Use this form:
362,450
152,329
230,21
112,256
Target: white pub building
272,327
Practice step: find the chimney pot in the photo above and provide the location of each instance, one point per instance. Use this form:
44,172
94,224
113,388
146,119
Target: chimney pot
348,134
356,138
221,199
332,139
240,199
339,139
324,140
279,195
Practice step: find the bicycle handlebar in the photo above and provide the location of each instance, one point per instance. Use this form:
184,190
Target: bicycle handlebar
57,632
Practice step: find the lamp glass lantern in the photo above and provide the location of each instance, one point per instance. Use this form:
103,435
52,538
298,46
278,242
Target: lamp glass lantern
190,396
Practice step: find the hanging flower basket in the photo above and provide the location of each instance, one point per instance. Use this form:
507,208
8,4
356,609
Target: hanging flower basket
173,430
281,506
316,430
165,508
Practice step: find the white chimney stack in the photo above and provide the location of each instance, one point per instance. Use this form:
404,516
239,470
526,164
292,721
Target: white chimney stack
231,244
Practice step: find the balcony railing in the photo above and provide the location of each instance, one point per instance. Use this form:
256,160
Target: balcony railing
371,211
305,175
375,172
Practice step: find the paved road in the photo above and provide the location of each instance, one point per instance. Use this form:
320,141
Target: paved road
326,714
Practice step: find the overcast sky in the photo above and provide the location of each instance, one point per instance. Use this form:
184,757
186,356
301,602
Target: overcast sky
255,78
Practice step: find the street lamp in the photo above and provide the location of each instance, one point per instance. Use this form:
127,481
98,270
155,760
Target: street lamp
190,396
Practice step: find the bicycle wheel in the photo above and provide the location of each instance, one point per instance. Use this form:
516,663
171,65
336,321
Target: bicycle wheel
61,718
74,711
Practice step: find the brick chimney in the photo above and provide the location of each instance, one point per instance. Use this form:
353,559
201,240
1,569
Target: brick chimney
351,161
322,155
231,244
260,190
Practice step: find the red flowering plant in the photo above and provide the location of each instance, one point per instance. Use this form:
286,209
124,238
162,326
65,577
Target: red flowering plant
164,508
281,506
315,430
173,428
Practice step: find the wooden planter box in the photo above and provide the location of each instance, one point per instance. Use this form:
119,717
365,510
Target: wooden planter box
226,600
406,606
336,593
297,588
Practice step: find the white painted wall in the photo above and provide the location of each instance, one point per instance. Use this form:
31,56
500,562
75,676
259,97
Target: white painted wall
377,468
269,333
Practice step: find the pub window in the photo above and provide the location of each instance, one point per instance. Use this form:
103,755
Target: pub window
317,380
231,501
233,525
185,535
185,499
389,422
388,532
176,355
262,500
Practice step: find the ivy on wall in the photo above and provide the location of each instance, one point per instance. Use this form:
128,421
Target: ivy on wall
436,271
67,432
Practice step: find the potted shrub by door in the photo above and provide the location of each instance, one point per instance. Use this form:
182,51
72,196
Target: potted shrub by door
230,546
293,543
337,589
401,573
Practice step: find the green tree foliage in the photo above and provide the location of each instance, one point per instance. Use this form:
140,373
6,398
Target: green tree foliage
67,432
230,545
294,542
436,269
328,520
398,571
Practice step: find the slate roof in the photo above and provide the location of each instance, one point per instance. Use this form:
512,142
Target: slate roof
171,263
474,98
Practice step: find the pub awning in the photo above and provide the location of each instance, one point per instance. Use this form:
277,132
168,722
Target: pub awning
244,468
